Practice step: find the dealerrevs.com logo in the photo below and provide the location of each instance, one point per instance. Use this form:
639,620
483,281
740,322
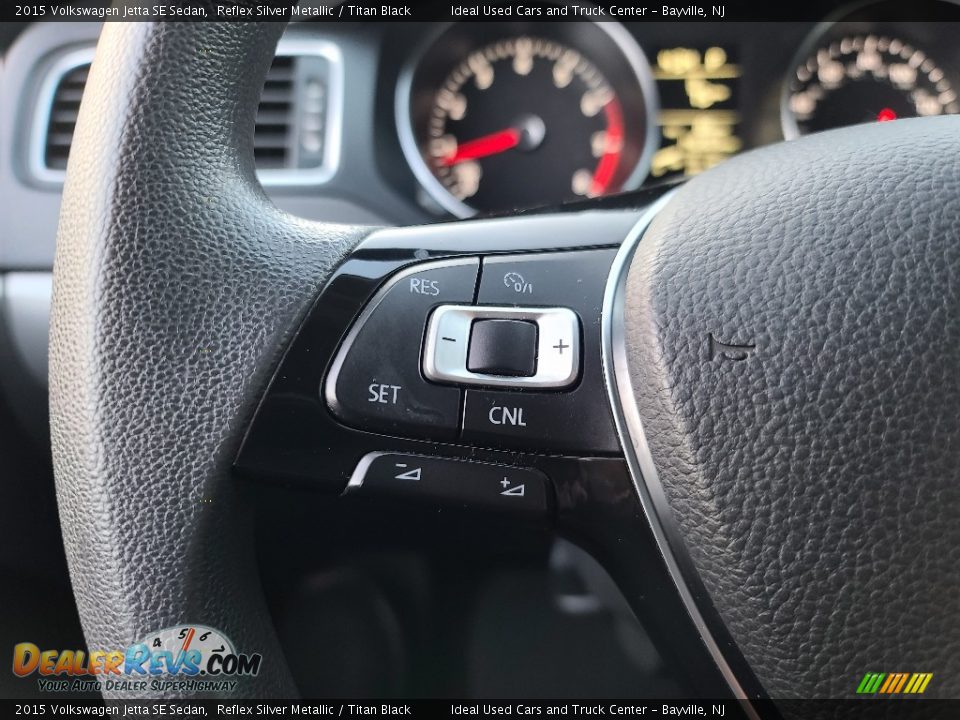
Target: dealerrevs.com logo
193,658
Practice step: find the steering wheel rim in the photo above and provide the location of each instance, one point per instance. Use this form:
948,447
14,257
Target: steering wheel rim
787,391
174,293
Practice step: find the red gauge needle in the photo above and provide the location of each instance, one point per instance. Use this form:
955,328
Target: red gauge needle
491,144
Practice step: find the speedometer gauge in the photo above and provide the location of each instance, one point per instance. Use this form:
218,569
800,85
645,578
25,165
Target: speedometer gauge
493,120
867,78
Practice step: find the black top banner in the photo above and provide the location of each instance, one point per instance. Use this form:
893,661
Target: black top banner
466,10
530,709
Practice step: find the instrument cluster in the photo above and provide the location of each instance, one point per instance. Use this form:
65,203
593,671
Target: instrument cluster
500,116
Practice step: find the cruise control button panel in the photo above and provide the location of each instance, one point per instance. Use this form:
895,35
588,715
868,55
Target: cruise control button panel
522,298
375,382
460,483
507,361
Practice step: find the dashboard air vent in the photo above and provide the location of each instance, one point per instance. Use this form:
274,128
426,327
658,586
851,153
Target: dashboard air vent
63,117
273,140
294,142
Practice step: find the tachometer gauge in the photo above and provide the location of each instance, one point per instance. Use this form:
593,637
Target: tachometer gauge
862,78
531,117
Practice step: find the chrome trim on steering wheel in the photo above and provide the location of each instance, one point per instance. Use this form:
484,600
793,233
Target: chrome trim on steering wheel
643,471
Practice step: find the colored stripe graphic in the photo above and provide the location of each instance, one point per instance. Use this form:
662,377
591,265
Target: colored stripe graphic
893,679
891,682
918,683
913,683
903,679
894,683
862,687
870,683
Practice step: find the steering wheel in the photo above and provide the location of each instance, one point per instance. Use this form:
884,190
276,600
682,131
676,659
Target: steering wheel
779,348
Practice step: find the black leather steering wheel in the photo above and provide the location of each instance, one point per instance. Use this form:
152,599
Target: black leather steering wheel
783,347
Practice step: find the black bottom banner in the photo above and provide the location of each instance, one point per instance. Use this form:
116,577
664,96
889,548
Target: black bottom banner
787,709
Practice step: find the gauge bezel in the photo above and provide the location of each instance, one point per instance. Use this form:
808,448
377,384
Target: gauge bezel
622,40
788,122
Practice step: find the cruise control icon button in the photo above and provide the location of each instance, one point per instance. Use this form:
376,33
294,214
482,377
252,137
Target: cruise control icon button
516,282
